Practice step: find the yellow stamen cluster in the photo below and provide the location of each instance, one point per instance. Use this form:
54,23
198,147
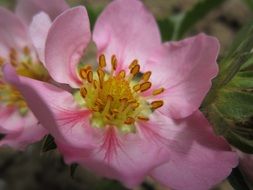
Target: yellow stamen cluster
115,98
11,97
25,65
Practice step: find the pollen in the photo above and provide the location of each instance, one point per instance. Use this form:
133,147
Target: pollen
116,97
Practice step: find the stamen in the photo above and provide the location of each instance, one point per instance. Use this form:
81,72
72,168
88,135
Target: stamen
146,76
26,51
1,61
90,76
108,104
136,87
102,61
129,121
99,102
158,91
101,75
145,86
114,62
122,74
134,63
143,118
117,98
82,73
13,57
95,84
135,69
83,92
156,104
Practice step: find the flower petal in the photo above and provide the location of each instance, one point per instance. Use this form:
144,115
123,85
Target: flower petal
128,30
38,31
13,33
67,39
124,157
10,120
55,109
185,69
31,133
199,159
26,9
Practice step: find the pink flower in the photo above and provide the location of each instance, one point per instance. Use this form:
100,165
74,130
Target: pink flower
137,114
17,123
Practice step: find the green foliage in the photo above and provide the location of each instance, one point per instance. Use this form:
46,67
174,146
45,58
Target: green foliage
249,3
229,105
176,26
48,144
7,3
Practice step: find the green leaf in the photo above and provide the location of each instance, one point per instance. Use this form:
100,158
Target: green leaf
229,103
236,180
93,14
48,144
249,3
185,21
166,27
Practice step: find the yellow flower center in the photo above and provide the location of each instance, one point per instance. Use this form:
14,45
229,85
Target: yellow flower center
25,65
116,98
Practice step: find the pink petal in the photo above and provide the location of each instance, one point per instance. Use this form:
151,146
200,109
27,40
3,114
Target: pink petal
26,9
185,69
13,33
128,30
199,159
55,108
67,39
31,132
38,31
124,157
10,120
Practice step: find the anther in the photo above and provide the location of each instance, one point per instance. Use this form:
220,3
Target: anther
134,63
99,102
136,87
82,73
114,62
135,70
156,104
135,105
143,118
101,75
83,92
145,86
122,74
115,111
102,61
90,76
129,121
26,51
146,76
95,84
158,91
1,61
